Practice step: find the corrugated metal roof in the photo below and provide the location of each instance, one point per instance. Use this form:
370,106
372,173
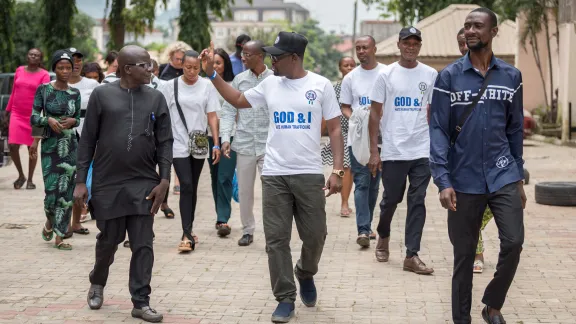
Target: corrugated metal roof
267,4
439,34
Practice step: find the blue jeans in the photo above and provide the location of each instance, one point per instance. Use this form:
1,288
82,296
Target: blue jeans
365,194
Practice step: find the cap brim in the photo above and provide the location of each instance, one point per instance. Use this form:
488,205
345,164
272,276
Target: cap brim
273,50
415,36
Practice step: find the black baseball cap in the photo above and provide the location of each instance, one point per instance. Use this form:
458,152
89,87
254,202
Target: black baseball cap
74,52
410,31
60,55
287,42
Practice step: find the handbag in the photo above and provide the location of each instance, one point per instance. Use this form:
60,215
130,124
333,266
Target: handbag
41,131
469,110
198,140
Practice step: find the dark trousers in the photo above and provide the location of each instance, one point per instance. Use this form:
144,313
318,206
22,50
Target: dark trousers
188,171
112,233
463,229
222,175
299,197
394,174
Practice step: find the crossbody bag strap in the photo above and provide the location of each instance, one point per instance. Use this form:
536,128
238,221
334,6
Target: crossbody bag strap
178,105
469,109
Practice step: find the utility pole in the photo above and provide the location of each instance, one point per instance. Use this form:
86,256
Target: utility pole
354,29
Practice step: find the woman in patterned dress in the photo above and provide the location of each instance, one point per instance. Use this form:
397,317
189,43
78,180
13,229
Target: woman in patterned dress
345,65
57,108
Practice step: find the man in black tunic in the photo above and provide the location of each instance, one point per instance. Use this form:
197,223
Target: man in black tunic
127,132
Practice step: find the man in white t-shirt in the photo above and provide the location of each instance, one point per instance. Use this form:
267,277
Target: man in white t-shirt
404,88
292,176
355,94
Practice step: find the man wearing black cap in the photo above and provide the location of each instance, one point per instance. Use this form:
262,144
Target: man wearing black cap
292,176
401,96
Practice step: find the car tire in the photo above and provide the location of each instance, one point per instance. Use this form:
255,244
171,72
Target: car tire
556,193
526,177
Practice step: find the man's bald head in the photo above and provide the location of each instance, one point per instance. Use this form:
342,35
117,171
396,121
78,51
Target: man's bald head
132,54
254,46
134,64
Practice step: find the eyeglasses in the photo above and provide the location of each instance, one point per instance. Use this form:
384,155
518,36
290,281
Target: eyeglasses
276,58
247,55
145,65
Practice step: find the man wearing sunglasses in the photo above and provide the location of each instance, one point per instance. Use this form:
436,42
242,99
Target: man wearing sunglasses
292,176
130,123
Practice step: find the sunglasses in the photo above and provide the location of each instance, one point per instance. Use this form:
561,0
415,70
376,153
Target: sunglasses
276,58
145,65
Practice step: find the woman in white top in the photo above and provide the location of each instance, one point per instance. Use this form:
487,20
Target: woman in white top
198,101
86,86
222,173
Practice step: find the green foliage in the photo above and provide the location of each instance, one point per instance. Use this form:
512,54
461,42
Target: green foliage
57,30
6,35
137,19
82,36
320,56
28,22
195,23
156,47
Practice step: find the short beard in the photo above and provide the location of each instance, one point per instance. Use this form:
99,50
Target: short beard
477,47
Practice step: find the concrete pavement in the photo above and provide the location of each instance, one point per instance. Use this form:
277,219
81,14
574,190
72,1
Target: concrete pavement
221,282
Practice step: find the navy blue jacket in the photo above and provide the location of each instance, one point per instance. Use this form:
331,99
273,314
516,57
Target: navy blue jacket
488,152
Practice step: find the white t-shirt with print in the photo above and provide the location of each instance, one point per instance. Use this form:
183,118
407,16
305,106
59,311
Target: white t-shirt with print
86,86
357,88
405,94
296,108
196,101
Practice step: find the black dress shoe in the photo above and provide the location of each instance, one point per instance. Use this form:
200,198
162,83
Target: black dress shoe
496,319
147,314
95,296
246,240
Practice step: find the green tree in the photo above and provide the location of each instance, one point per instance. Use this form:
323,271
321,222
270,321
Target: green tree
82,39
28,22
195,23
321,57
136,19
57,20
6,34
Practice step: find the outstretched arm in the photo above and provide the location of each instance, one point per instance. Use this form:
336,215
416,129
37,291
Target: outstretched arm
231,95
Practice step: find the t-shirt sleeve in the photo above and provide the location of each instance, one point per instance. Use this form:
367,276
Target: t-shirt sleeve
346,91
256,96
379,89
213,103
330,106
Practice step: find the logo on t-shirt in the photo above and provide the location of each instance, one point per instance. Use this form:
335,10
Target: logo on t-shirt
502,162
311,96
422,86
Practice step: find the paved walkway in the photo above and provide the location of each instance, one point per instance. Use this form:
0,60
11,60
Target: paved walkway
223,283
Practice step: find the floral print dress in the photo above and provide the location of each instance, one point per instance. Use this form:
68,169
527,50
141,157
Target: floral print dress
58,152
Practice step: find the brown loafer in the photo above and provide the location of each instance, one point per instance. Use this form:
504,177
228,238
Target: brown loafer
414,264
383,249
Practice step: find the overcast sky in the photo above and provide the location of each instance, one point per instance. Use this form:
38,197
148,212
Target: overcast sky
334,15
337,15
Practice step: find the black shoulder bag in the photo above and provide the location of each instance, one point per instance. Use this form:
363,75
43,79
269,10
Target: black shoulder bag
198,141
469,109
41,131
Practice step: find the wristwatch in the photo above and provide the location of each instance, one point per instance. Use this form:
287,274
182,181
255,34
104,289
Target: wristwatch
339,173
